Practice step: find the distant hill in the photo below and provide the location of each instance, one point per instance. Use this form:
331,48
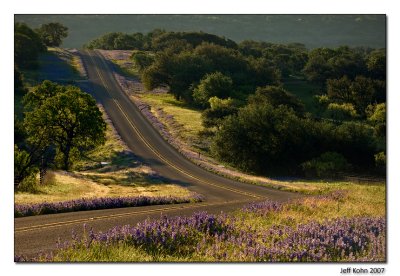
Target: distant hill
312,30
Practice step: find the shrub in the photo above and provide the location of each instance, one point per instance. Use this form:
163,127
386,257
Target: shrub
329,164
380,160
345,111
49,178
28,184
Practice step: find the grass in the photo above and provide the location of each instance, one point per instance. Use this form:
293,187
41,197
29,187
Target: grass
72,186
131,70
353,201
121,175
188,118
118,253
58,65
357,201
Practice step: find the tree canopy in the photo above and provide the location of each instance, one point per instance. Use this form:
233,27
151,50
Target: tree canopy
27,46
52,33
69,120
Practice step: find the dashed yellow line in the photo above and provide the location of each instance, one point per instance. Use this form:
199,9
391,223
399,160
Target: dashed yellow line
156,152
113,216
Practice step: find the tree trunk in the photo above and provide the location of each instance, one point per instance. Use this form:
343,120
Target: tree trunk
66,156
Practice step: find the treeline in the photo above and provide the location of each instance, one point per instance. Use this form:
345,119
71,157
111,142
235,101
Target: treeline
29,43
256,124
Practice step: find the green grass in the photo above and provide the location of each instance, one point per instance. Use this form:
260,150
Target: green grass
131,71
117,253
189,118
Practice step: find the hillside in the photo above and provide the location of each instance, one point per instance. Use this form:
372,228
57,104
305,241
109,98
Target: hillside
311,30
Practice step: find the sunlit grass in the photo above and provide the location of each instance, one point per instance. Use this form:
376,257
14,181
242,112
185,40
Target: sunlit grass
110,170
72,186
117,253
356,201
188,118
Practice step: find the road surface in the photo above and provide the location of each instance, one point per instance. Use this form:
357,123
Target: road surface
39,233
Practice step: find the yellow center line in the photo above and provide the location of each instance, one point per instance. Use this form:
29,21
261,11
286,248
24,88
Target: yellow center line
156,152
114,216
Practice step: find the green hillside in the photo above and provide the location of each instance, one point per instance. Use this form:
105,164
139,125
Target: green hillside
311,30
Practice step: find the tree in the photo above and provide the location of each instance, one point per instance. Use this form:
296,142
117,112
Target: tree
219,109
317,68
24,165
341,112
52,34
18,81
376,116
263,72
329,164
178,71
325,63
339,90
69,120
142,59
276,96
376,64
356,142
27,46
40,93
360,92
363,92
262,138
214,84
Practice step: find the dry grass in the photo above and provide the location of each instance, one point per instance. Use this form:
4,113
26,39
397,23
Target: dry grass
69,186
122,175
357,201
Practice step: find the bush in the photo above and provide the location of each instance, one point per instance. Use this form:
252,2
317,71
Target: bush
24,168
28,184
345,111
380,160
215,84
328,165
49,179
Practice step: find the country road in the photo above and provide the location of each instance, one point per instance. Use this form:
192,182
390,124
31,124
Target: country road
40,233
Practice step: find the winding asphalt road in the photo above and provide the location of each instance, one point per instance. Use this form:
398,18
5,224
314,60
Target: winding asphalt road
40,233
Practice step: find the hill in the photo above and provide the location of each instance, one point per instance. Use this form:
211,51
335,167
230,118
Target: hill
311,30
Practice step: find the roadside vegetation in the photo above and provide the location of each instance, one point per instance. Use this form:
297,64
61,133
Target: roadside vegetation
345,225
